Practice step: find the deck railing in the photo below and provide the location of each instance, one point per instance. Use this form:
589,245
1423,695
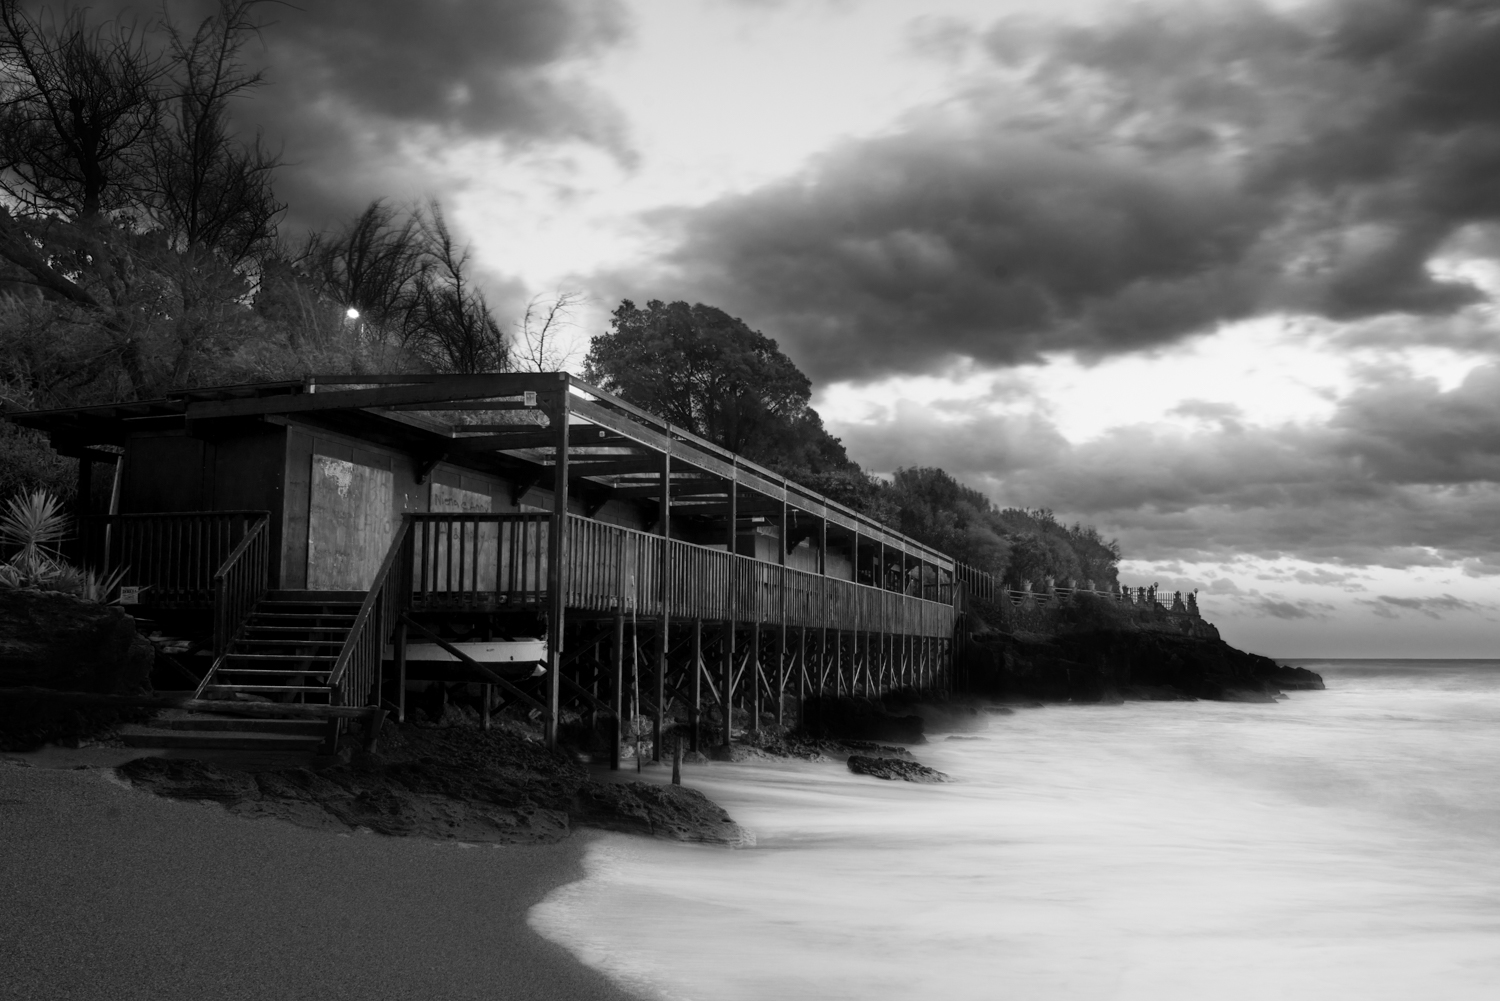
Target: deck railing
356,672
241,581
479,561
613,567
172,557
488,561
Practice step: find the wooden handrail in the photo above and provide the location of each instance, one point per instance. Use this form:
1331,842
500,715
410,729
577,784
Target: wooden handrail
372,610
235,598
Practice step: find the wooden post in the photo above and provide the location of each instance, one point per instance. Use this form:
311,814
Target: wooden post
697,692
401,672
781,625
488,695
753,672
557,555
664,630
617,688
801,675
726,682
731,542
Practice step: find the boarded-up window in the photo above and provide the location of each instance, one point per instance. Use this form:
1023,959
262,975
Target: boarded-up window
350,524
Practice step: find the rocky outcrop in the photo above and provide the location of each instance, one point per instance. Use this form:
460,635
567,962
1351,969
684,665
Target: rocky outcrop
1108,665
53,640
58,641
893,768
456,783
847,719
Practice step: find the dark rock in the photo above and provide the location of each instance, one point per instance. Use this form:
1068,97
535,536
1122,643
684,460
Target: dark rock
734,752
860,719
963,736
53,640
894,768
454,783
1083,666
1000,710
874,750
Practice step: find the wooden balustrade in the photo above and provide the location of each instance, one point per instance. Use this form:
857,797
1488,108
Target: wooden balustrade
175,555
610,567
240,582
356,672
479,561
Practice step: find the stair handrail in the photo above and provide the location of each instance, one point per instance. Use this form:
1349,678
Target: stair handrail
241,581
238,585
359,659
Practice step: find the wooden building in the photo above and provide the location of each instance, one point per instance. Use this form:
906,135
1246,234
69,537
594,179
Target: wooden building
314,531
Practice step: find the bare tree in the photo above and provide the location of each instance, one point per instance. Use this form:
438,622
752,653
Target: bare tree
372,265
211,190
541,344
454,326
78,106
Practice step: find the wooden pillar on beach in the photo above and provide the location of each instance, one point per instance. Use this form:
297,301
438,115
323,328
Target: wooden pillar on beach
557,555
781,626
731,543
401,671
617,685
664,629
697,687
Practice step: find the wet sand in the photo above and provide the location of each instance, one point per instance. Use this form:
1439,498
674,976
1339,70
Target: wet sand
111,893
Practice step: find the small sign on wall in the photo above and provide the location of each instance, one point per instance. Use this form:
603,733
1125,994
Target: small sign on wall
130,595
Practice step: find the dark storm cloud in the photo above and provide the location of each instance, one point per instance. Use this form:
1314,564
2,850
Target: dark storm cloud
349,83
1404,474
1123,185
1285,609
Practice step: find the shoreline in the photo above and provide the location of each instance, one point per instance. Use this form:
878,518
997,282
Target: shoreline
117,893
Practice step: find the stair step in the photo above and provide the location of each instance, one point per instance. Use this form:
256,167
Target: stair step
287,641
300,658
275,672
284,616
295,605
198,723
236,687
296,629
302,595
238,740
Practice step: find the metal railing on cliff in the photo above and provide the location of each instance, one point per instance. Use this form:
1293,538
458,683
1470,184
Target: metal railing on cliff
985,586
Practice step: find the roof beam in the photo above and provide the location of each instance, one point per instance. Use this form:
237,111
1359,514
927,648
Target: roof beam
580,435
417,389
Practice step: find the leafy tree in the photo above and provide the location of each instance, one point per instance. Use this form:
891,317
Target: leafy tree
711,374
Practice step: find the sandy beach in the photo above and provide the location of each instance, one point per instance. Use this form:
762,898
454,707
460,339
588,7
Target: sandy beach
116,894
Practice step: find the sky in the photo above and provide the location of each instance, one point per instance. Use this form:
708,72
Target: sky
1219,278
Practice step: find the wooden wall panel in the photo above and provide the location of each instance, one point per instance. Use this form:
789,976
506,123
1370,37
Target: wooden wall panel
164,472
298,479
350,522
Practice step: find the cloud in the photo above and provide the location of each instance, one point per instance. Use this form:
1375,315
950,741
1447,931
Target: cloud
1389,607
365,97
1403,474
1288,610
1118,186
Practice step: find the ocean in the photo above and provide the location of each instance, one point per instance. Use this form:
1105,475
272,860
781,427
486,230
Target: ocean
1339,844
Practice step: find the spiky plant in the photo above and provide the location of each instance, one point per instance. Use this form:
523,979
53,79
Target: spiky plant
33,525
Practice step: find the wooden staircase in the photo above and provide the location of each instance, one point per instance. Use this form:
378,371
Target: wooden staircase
286,648
283,652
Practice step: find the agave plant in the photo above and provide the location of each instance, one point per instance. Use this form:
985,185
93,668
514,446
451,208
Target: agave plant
34,525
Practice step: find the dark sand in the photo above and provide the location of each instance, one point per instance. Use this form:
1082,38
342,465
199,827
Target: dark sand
110,893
